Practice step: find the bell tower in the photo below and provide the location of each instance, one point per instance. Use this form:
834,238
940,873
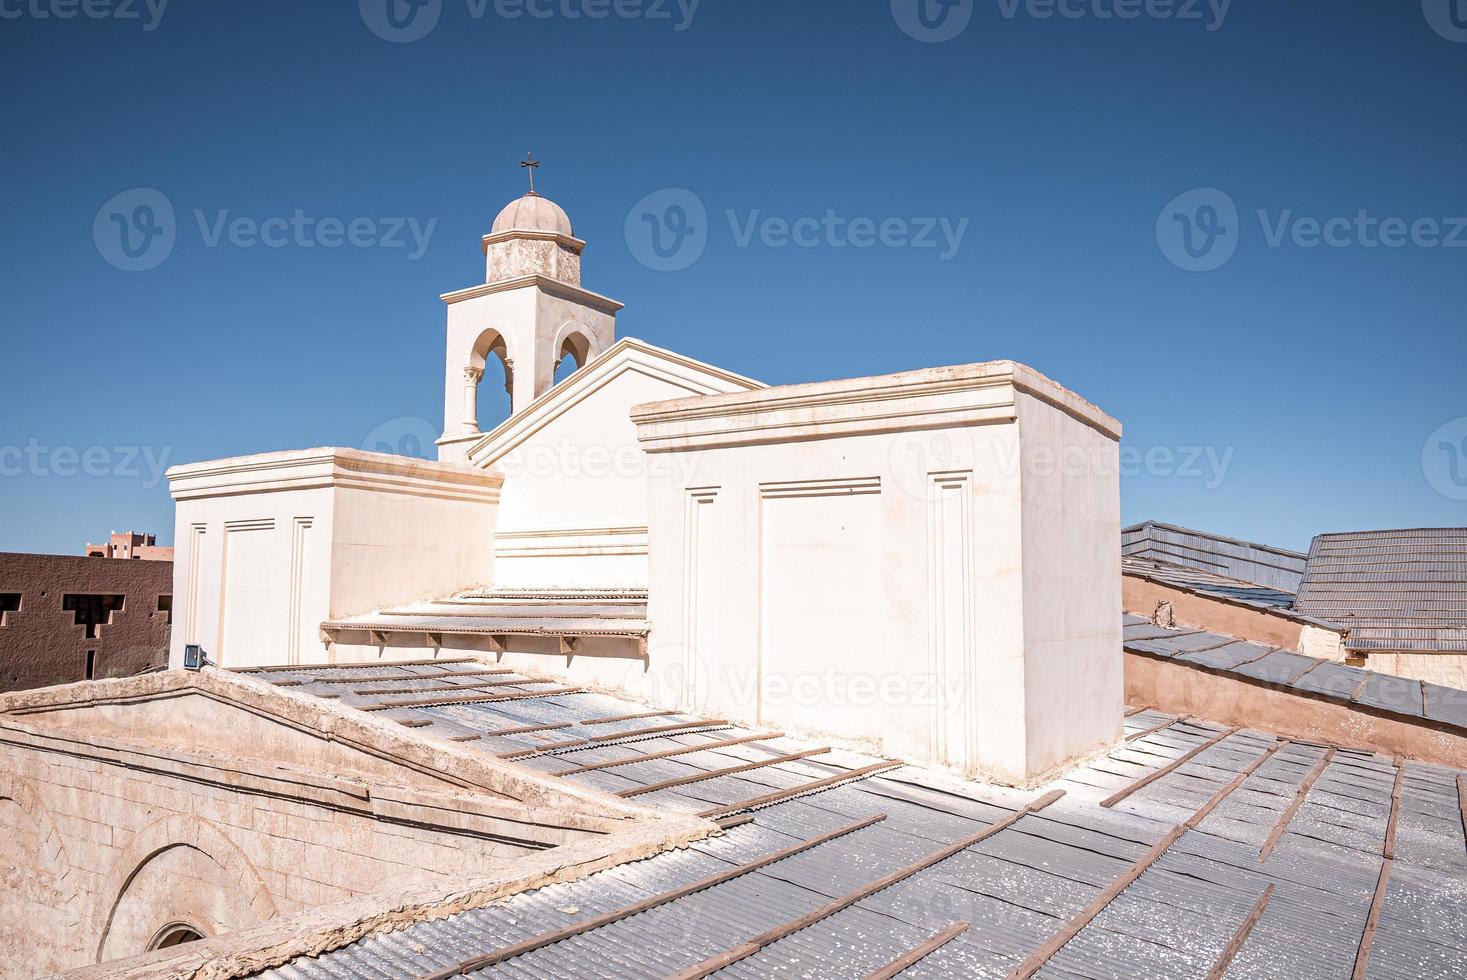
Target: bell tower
529,314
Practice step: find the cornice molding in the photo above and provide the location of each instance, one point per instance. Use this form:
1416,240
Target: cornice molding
932,398
332,468
553,287
565,241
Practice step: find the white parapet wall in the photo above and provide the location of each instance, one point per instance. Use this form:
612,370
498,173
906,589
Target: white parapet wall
929,561
270,546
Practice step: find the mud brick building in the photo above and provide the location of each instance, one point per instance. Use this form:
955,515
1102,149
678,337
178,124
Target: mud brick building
69,618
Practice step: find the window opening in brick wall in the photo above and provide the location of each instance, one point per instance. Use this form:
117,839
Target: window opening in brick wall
92,611
9,603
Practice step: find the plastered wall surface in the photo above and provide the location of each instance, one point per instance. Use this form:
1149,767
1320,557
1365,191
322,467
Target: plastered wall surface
271,546
929,561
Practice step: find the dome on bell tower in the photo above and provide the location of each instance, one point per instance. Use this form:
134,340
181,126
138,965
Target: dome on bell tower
532,237
533,213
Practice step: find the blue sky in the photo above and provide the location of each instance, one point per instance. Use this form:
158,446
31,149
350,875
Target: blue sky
1295,388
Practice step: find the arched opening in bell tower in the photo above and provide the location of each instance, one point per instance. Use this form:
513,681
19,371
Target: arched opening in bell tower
488,382
572,353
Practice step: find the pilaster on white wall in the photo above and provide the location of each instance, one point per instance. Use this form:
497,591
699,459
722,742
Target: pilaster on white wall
276,544
926,561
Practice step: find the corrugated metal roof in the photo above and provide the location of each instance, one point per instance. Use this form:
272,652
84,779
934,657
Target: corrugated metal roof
1396,591
1242,561
1311,677
1214,586
1017,888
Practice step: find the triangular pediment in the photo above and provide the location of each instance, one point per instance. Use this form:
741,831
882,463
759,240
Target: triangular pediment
681,376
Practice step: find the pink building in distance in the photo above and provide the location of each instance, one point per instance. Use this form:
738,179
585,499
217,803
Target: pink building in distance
130,545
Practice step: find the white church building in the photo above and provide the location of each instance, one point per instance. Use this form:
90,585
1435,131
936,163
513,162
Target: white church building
925,563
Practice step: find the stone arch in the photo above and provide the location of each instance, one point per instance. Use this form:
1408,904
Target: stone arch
173,934
175,834
489,345
577,341
47,889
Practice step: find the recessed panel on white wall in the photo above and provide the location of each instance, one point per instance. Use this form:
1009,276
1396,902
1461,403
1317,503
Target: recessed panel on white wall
255,601
821,601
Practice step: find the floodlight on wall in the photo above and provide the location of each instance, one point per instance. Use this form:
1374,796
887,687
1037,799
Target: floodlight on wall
194,657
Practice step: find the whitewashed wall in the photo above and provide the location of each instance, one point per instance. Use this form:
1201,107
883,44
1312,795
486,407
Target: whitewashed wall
268,547
895,559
